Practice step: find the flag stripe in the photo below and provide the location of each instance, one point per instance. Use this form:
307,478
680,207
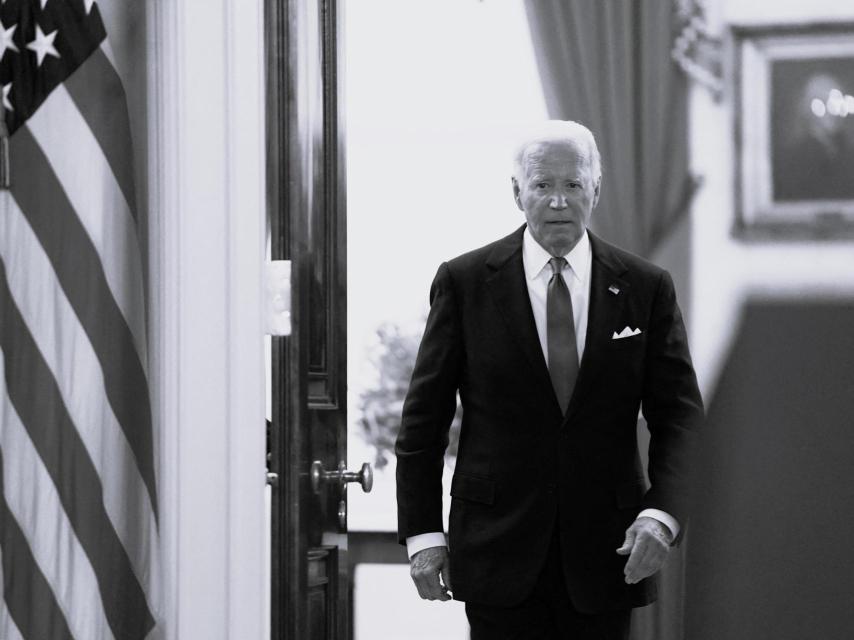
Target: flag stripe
98,92
36,398
75,261
68,353
8,629
64,138
28,596
32,499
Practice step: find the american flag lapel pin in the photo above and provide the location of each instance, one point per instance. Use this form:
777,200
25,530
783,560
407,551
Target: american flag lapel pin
614,289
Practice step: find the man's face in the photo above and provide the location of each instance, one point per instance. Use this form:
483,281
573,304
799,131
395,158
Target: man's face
557,194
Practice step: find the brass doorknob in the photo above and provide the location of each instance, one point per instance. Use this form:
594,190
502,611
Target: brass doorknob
318,475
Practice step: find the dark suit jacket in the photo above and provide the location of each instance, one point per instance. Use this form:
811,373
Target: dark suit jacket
522,467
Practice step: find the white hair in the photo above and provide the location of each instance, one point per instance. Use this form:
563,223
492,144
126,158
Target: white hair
558,131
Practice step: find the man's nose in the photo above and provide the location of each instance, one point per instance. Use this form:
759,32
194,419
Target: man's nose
558,201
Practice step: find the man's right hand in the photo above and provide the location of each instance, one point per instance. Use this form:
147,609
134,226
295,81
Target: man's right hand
425,567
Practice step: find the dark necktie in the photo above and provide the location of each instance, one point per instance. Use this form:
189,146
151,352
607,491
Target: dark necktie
560,333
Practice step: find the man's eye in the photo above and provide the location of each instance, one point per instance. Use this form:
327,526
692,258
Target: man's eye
542,185
574,185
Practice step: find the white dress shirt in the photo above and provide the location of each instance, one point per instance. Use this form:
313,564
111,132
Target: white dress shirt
576,274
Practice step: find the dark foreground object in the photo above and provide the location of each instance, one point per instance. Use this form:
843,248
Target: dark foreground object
769,548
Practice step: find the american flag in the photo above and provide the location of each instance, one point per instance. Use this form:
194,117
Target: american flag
78,497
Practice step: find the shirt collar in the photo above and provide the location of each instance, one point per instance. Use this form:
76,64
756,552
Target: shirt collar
535,258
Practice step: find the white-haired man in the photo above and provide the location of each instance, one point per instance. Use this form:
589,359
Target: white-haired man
554,340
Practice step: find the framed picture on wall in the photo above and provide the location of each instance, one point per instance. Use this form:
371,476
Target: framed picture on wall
794,127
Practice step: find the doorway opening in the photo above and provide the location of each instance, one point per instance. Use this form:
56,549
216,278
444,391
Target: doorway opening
436,97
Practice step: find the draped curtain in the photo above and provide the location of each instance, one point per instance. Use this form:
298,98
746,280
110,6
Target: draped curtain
607,64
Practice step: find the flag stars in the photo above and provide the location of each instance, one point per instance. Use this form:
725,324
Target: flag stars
43,45
6,41
7,104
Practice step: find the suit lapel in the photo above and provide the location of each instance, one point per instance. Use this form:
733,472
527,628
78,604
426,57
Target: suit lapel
509,290
605,305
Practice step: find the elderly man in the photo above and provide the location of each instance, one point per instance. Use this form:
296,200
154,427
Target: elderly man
554,340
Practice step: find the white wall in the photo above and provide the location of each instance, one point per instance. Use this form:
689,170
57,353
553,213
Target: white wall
207,221
726,270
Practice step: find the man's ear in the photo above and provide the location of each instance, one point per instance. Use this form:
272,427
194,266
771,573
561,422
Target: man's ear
517,193
596,191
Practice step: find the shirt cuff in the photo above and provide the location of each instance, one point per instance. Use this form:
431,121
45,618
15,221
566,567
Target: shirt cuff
663,517
422,541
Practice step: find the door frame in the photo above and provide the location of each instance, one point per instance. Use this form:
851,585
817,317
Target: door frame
206,220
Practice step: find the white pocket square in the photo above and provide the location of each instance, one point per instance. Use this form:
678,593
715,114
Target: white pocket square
628,332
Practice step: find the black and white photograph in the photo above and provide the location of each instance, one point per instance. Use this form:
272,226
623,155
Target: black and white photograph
426,319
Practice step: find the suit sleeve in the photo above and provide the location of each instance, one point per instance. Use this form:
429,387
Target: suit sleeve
428,411
672,405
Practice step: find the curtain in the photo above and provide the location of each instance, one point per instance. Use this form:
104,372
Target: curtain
607,64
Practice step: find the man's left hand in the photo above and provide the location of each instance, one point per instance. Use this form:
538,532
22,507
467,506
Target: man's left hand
647,544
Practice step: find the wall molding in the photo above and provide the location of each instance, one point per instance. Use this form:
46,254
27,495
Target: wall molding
206,162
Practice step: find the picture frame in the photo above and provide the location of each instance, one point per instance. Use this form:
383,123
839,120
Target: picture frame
794,131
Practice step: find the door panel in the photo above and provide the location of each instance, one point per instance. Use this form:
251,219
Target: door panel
307,216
